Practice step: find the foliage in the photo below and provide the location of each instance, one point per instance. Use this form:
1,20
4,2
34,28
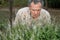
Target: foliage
54,3
16,3
22,32
3,3
20,3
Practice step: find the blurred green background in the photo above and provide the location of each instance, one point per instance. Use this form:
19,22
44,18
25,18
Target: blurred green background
22,3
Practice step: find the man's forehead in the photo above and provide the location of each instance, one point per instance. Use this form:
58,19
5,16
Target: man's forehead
36,8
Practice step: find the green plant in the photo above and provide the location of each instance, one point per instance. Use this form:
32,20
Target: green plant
22,32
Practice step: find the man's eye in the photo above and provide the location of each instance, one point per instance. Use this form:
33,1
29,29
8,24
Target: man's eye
39,10
33,10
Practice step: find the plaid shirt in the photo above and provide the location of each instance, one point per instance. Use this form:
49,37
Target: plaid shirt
23,17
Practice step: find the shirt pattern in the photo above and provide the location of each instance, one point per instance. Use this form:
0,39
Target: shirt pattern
23,17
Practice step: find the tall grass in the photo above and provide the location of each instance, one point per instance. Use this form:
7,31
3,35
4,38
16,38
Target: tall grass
22,32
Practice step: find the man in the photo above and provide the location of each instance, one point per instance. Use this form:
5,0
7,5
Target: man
32,15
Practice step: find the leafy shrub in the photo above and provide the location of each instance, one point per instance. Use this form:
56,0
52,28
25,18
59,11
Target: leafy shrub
22,32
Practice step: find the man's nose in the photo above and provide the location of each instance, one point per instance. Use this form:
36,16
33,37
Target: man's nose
36,12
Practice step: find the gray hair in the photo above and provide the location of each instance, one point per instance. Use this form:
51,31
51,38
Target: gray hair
35,2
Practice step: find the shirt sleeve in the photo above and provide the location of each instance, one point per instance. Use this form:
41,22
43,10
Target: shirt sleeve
48,18
17,18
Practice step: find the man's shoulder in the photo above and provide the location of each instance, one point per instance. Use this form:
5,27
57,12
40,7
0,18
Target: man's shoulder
24,9
45,12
